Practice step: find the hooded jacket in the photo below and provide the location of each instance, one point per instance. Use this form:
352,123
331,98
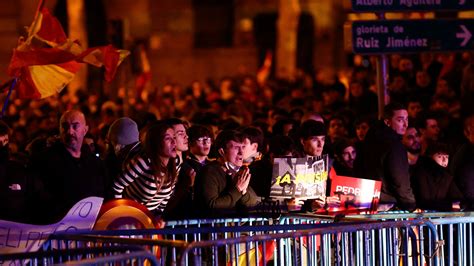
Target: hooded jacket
434,186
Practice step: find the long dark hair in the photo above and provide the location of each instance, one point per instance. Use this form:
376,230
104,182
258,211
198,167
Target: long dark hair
153,146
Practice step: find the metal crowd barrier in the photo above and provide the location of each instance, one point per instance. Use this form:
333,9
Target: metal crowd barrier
374,243
165,243
154,240
116,255
456,232
348,246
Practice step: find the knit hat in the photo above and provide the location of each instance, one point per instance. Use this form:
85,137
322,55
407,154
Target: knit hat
123,131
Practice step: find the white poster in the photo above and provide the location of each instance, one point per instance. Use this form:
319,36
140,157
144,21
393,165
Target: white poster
19,237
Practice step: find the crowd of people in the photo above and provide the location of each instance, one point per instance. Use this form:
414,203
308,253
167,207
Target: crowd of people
207,149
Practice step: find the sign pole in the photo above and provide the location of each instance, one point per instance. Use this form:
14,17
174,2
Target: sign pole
382,77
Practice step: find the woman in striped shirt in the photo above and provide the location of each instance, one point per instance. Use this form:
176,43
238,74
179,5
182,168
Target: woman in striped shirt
150,177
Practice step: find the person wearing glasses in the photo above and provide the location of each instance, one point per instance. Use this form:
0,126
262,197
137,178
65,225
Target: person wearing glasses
200,140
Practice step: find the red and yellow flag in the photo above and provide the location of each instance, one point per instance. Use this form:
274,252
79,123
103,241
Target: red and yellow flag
264,71
46,60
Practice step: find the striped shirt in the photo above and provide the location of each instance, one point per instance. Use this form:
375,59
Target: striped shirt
137,182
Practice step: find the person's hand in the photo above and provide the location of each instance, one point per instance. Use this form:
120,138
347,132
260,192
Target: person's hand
294,204
456,206
243,179
191,174
384,207
333,201
318,203
160,223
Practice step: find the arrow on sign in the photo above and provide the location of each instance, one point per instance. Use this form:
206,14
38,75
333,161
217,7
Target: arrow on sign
466,35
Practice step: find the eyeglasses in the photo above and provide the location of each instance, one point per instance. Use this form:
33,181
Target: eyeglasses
203,140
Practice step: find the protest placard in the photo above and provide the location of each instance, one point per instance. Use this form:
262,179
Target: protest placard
355,194
299,178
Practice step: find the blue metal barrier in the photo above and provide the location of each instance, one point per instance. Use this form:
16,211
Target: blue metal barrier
214,225
133,258
81,256
457,235
329,244
387,246
147,237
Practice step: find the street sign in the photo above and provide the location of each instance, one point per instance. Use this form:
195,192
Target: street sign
407,36
411,5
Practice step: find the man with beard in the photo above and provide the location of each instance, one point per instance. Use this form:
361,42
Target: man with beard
429,130
344,155
411,141
68,170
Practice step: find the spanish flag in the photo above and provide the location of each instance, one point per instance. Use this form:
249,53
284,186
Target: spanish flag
46,60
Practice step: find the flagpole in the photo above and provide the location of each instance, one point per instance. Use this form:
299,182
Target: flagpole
5,104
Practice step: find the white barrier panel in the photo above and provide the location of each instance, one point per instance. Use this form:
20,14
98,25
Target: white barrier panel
20,237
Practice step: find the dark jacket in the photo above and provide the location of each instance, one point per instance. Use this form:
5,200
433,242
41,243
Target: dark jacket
115,164
217,194
383,157
261,177
67,180
434,186
16,188
342,169
462,167
182,204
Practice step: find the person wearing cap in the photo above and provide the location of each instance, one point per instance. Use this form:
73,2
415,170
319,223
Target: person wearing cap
122,145
123,140
123,135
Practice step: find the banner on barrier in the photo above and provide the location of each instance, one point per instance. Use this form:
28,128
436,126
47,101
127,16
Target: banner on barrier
355,194
19,237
